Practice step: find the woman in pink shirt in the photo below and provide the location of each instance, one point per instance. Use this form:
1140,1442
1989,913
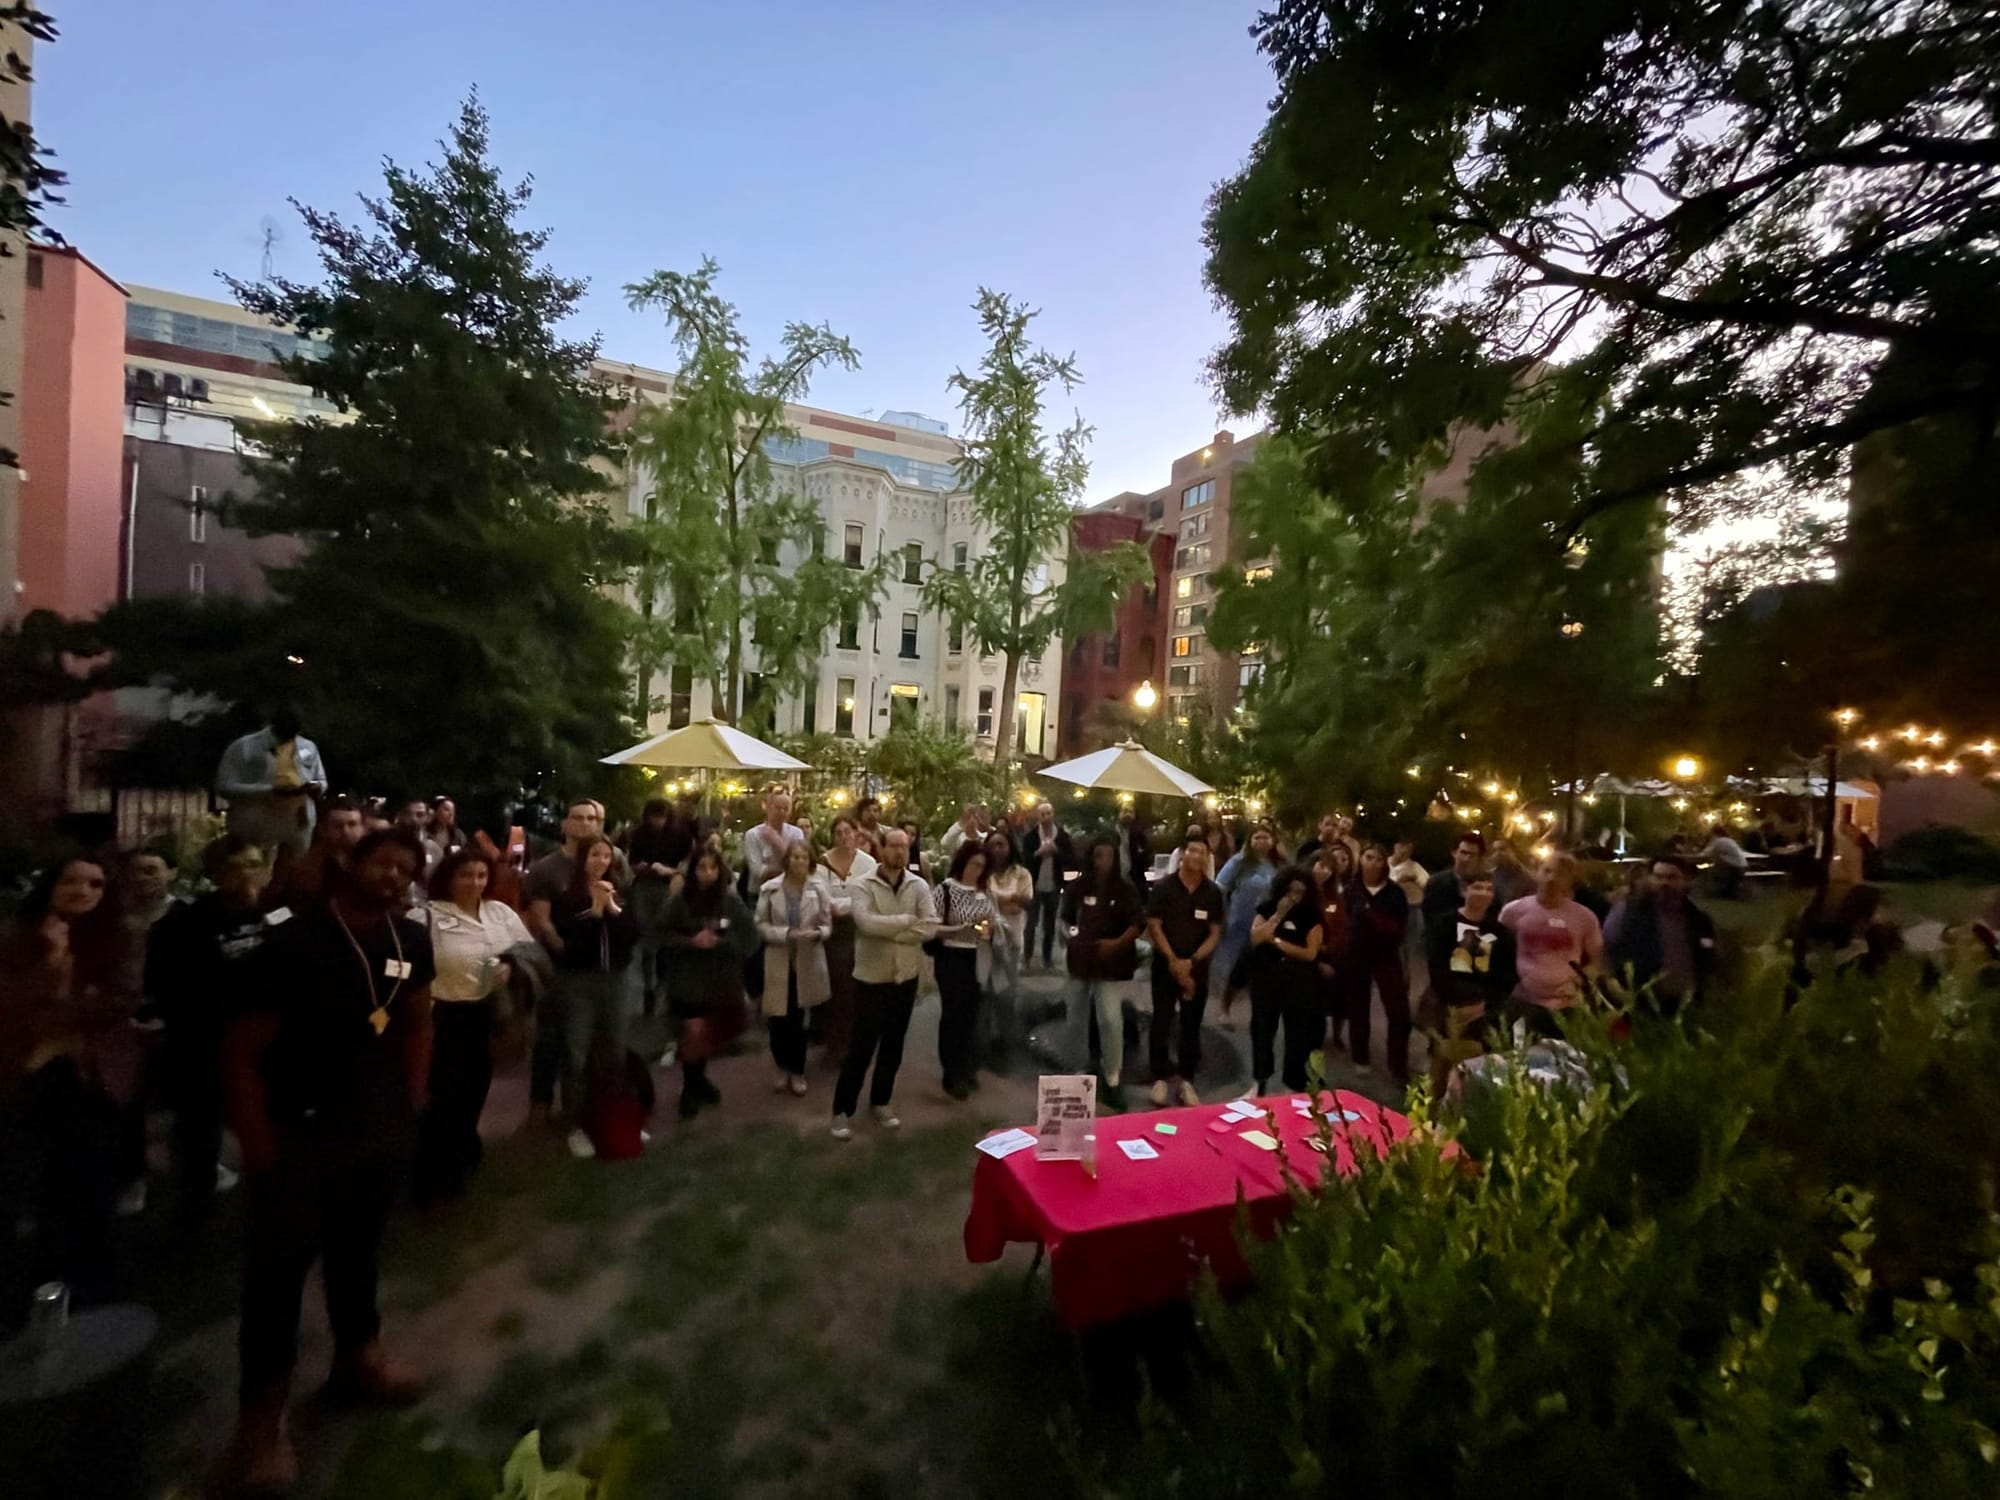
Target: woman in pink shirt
1557,944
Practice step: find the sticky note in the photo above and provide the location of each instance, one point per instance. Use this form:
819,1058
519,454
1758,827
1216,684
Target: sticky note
1166,1130
1138,1150
1260,1140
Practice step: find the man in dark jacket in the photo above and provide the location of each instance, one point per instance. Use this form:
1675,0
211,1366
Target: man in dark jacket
1103,915
1050,856
1135,852
1662,942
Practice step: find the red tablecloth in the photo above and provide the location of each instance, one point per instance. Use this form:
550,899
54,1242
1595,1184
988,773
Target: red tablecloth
1138,1234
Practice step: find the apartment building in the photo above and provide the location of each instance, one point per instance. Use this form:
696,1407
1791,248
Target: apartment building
1193,510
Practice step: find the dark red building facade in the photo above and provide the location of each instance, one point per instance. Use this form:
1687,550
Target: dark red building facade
1104,671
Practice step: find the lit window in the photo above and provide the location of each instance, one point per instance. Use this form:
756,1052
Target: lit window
843,706
903,700
1197,494
1251,575
1184,645
1183,588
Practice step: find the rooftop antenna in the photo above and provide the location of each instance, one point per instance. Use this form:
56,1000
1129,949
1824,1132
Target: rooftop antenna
270,235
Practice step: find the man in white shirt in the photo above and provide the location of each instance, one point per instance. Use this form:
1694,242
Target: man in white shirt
1728,859
893,915
764,845
270,779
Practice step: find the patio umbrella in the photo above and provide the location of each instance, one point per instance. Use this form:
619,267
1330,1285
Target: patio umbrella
706,745
1128,767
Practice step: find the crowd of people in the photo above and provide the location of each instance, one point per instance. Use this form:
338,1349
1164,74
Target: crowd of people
338,1006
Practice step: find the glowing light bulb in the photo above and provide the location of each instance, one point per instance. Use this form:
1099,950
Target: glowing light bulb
1846,716
1686,766
1873,742
1492,789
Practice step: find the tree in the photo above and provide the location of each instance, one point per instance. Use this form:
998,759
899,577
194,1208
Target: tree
1735,238
1024,487
933,771
718,525
1455,637
447,622
28,183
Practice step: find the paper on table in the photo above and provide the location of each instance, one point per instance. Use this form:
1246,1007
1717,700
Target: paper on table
1007,1143
1141,1150
1260,1140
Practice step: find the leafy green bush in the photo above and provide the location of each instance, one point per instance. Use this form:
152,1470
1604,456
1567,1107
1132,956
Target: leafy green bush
1764,1263
1938,852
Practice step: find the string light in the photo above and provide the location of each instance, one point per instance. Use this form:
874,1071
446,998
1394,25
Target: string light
1492,789
1950,768
1510,798
1414,772
1846,716
1934,739
1873,742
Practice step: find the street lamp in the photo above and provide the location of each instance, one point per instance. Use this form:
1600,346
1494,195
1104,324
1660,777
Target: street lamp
1144,697
1686,767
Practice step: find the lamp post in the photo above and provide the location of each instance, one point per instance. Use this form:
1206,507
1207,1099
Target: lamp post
1145,697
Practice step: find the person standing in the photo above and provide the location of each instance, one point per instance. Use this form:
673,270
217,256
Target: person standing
599,938
62,1133
414,817
1103,915
326,1082
1246,881
1470,953
203,970
1444,892
868,825
1135,850
842,868
966,827
311,878
1381,918
270,779
657,849
1663,943
1050,856
549,880
1185,924
1012,891
444,829
964,931
1285,935
1333,893
1731,864
764,845
893,916
471,936
1511,879
795,919
710,932
1558,945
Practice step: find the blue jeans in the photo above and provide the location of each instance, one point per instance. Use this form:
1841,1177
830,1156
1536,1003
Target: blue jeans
1105,997
596,1006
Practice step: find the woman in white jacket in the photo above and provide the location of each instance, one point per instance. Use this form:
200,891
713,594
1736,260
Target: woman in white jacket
795,918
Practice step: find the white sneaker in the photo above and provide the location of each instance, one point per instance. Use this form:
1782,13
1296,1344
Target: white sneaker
645,1137
1188,1095
225,1179
843,1127
1160,1094
797,1084
580,1145
1111,1080
132,1202
667,1057
886,1118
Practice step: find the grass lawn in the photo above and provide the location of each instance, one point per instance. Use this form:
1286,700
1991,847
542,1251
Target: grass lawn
1759,918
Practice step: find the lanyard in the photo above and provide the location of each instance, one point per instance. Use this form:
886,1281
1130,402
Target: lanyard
379,1016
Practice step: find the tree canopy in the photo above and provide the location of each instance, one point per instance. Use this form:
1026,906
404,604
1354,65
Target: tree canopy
446,625
718,524
1024,485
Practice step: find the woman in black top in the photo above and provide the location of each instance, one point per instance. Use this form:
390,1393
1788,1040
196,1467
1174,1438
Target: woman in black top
1285,941
710,932
593,972
1381,916
657,849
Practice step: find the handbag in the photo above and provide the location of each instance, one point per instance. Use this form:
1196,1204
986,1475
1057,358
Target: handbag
934,946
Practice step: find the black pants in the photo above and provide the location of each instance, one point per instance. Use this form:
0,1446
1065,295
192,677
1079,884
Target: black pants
958,1023
1358,980
1043,909
194,1077
1169,1003
315,1204
881,1022
65,1152
1293,1000
448,1145
788,1032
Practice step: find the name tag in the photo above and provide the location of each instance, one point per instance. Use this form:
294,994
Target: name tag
722,924
396,968
1090,901
1200,915
1069,874
1559,924
277,916
1708,942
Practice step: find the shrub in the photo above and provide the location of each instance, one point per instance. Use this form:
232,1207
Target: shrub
1939,852
1760,1263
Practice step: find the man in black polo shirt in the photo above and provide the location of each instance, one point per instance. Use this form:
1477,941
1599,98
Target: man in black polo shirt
1185,924
327,1079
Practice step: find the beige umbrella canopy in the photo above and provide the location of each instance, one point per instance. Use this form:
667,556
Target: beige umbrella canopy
706,745
1128,767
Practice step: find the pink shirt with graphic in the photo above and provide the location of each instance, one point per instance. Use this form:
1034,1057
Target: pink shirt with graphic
1547,941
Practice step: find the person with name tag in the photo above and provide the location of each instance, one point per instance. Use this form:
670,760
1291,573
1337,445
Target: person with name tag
600,935
1557,944
1103,915
326,1080
1185,925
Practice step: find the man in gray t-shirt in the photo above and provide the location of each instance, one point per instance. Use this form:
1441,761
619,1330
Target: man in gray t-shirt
549,876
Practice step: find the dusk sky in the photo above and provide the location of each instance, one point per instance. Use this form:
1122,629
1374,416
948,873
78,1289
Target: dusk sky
868,164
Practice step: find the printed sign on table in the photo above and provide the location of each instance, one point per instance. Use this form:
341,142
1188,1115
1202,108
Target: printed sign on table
1065,1112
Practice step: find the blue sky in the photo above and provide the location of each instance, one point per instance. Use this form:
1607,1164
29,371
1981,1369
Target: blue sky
869,164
